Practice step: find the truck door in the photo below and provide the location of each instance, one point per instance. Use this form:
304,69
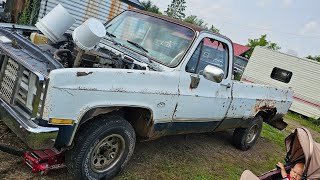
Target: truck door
209,101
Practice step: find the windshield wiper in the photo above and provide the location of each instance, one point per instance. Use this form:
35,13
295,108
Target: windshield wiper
138,46
106,25
142,48
110,35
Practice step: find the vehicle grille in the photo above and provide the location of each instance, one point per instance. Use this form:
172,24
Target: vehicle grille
9,79
21,87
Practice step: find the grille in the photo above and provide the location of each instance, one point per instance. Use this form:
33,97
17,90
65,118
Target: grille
21,87
28,90
9,79
26,93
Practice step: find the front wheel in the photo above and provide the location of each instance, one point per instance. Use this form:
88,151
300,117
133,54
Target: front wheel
245,138
101,148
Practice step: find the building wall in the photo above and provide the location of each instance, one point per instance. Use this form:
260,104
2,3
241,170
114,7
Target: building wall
305,79
81,10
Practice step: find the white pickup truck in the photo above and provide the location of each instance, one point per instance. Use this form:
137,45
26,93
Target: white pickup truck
150,76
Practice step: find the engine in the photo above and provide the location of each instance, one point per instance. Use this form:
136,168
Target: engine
78,49
66,52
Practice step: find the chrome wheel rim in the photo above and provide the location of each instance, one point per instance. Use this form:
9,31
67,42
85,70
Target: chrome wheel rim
107,153
252,133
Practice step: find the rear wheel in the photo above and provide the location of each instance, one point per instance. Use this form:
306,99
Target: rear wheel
245,138
101,148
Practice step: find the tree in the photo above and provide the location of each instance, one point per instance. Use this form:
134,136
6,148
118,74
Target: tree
193,19
176,9
214,29
149,6
262,41
316,58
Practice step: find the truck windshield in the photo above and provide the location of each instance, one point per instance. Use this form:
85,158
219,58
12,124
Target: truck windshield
163,41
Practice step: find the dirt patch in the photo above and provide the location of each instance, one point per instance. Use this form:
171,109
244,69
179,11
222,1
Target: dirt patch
12,167
212,153
197,156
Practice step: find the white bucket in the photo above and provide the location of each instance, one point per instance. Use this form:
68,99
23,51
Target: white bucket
55,23
88,34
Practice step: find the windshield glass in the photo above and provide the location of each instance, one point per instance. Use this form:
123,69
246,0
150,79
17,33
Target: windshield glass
163,41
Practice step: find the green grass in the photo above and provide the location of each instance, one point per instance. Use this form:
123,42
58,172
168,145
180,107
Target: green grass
219,165
222,165
306,122
260,167
274,135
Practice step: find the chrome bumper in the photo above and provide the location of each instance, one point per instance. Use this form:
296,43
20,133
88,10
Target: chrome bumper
36,137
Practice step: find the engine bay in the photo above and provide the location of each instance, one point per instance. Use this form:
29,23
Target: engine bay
66,52
46,56
50,46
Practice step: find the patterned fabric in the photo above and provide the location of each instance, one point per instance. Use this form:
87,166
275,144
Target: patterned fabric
287,178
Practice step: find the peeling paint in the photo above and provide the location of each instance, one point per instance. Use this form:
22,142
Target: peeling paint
63,90
161,104
87,89
83,73
119,90
175,110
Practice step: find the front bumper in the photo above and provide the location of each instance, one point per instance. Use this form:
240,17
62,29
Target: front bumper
35,136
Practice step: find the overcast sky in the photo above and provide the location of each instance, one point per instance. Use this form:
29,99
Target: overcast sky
292,24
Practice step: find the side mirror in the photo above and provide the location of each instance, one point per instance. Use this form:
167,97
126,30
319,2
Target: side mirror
213,73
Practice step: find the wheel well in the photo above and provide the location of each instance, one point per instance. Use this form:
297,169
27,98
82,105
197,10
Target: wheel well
267,114
140,118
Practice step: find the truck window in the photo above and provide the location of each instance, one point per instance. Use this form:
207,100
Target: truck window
209,52
165,42
281,75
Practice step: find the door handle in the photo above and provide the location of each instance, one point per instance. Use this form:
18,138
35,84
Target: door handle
228,85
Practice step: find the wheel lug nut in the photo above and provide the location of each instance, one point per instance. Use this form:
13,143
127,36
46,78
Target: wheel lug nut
111,156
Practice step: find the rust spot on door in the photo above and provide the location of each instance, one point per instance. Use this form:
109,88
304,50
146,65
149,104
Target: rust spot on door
83,73
262,105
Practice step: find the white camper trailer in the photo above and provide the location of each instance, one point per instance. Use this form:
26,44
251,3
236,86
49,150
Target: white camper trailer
283,70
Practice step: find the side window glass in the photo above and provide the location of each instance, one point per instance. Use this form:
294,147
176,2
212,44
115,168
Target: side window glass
281,75
209,52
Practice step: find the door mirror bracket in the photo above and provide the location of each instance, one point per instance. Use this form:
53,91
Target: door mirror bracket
195,79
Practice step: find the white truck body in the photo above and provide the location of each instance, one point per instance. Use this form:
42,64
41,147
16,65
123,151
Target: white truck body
304,81
167,94
73,92
150,76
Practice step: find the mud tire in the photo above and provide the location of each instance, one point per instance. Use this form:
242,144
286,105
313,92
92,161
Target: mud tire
245,138
79,158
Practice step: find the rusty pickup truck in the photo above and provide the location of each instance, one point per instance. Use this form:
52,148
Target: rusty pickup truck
149,76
